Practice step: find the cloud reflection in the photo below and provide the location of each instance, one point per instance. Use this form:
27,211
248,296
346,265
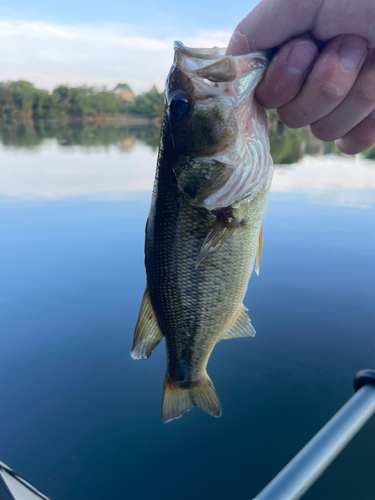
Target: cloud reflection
54,171
329,179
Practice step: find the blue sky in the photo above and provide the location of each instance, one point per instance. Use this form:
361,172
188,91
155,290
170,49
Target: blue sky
102,43
167,14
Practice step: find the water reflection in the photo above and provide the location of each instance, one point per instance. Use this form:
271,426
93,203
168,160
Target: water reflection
31,134
79,416
51,160
287,146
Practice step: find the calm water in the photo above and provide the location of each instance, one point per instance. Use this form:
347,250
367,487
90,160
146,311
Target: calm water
80,419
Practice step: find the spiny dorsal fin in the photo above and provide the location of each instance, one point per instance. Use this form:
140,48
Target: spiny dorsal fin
259,251
220,232
242,326
147,334
177,400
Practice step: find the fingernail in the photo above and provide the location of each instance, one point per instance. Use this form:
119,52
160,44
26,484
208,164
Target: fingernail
300,58
352,51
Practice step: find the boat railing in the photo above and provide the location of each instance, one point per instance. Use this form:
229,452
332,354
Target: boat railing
308,465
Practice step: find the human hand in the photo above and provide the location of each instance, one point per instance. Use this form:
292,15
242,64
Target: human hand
332,90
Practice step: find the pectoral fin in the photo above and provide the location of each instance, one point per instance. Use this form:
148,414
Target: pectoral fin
259,251
242,326
147,334
220,232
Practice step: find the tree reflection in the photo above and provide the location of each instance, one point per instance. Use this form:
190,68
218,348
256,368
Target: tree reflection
31,134
287,146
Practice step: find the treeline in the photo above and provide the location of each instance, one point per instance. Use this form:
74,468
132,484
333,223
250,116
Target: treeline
22,100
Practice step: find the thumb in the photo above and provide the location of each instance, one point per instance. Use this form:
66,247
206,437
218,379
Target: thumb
273,22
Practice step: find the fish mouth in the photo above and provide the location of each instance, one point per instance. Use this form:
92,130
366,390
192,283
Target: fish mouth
213,65
216,53
210,74
210,53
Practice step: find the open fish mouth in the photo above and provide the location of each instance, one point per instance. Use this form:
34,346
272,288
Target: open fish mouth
216,53
218,129
215,66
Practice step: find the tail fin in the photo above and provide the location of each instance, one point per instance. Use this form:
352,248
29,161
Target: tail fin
177,401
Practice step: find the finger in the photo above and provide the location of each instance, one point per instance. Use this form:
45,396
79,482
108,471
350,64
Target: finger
272,22
286,73
360,138
330,80
354,108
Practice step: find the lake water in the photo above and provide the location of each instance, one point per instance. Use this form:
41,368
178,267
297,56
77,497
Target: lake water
81,420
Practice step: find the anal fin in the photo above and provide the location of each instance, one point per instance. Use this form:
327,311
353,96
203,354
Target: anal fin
242,327
147,334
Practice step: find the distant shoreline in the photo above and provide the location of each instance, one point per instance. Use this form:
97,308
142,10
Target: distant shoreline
105,119
126,120
21,100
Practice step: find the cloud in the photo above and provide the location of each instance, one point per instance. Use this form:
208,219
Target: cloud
50,54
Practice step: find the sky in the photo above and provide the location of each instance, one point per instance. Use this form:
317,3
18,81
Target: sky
103,43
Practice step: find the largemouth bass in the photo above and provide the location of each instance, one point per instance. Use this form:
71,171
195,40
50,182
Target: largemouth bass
203,233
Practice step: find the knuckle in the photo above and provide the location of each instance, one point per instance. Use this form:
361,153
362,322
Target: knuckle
364,94
324,132
348,147
364,138
330,91
357,140
290,119
275,93
345,148
266,97
263,98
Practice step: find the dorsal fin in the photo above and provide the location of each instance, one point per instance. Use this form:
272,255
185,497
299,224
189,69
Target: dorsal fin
242,326
259,251
147,334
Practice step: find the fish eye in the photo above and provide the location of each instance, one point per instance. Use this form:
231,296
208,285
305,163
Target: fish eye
179,107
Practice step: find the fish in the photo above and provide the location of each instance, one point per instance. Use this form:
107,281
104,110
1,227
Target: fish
204,228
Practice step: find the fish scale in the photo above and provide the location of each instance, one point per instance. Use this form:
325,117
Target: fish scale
198,258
